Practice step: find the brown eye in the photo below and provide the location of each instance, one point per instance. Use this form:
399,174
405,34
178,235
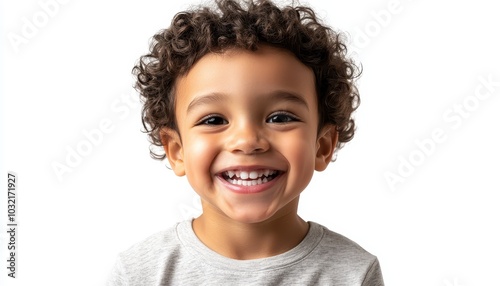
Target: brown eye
213,120
281,118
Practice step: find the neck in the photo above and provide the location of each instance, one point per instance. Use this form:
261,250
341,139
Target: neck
239,240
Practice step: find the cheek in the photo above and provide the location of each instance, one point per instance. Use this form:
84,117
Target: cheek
199,154
300,152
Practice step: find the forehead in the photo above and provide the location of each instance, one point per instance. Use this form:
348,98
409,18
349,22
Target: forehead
246,73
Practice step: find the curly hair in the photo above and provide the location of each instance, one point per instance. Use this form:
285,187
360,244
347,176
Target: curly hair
195,33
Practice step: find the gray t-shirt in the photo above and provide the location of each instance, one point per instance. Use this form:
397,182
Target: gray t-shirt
177,257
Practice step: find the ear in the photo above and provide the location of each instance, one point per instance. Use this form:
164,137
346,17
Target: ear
171,141
325,146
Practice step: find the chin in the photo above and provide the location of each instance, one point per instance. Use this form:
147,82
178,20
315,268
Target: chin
251,217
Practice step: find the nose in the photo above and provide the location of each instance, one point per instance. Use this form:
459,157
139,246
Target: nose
248,138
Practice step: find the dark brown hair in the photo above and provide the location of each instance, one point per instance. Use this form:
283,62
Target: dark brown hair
197,32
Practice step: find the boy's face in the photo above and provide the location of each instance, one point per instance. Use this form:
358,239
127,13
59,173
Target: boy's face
248,133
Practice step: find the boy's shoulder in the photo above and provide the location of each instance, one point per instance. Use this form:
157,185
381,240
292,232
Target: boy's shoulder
336,239
176,254
142,261
345,260
166,245
152,246
342,247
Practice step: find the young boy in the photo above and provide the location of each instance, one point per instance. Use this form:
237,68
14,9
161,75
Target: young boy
247,101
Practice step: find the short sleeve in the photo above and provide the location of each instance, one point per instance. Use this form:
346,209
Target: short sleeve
373,276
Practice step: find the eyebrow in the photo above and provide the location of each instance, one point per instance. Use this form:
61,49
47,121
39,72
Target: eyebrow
206,99
288,96
216,97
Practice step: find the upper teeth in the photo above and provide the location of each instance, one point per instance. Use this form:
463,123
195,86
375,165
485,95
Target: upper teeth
250,175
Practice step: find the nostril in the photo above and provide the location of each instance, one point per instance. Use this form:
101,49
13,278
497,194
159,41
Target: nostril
250,148
247,140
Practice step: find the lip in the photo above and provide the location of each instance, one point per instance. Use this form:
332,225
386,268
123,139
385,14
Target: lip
248,189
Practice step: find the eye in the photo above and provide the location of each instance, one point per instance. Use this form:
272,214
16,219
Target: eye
281,117
212,120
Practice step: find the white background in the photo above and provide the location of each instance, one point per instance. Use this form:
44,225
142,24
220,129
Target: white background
438,225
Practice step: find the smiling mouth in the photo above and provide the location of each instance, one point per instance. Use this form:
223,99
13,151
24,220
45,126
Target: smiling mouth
250,178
